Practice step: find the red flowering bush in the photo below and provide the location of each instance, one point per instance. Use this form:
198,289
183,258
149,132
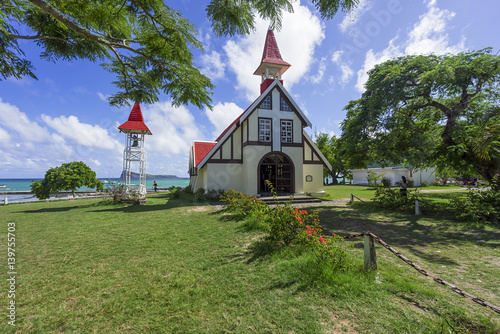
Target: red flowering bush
290,226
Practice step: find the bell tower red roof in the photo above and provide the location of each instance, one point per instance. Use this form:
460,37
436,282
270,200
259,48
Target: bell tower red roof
135,123
271,57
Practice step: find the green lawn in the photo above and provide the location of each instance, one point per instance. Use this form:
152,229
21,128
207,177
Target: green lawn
178,266
366,193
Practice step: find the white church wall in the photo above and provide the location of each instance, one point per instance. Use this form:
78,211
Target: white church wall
314,171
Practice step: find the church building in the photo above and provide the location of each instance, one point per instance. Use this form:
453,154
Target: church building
266,142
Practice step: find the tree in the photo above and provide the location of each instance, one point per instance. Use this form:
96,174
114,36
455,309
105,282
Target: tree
69,176
330,147
429,111
147,44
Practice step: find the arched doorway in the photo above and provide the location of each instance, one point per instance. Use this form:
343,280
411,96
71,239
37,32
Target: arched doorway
279,170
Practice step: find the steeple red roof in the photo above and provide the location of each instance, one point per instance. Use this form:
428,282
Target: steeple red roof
135,123
271,55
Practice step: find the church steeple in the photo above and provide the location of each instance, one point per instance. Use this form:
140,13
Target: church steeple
272,66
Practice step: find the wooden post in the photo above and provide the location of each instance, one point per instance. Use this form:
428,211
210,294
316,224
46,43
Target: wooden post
352,198
417,208
370,255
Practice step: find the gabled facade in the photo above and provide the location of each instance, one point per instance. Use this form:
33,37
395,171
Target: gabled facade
266,142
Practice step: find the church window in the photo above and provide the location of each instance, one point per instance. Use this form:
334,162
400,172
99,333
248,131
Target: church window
284,106
265,129
286,131
266,104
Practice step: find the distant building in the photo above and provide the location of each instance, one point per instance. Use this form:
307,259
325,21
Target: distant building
394,174
266,142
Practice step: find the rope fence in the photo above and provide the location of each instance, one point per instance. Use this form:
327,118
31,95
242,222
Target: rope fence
371,264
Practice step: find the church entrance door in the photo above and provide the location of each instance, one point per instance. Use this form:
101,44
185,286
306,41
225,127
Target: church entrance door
279,170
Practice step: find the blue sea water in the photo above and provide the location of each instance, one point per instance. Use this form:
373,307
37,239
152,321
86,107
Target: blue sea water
24,185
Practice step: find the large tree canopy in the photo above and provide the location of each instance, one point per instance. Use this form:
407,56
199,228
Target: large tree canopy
69,176
429,110
147,44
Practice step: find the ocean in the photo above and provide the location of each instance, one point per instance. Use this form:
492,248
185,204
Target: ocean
24,185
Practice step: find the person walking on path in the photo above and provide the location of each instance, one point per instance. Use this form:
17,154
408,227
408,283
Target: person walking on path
155,186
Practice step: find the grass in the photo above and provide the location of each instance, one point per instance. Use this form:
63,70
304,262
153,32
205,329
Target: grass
366,193
178,266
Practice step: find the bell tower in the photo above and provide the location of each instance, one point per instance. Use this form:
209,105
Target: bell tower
134,154
272,66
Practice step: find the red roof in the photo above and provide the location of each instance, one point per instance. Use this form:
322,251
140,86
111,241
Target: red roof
201,149
135,123
271,54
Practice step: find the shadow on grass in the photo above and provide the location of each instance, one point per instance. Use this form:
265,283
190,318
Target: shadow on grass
157,202
409,231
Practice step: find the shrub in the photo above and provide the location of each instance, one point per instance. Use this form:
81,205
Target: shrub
176,192
199,194
212,195
373,177
188,190
478,207
386,182
239,202
393,199
289,226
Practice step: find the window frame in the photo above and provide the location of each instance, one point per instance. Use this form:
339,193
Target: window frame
270,129
290,131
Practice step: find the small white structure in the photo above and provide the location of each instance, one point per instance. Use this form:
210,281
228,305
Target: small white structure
394,174
134,153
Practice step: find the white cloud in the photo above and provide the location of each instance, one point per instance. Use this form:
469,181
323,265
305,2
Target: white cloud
12,118
4,136
82,133
173,128
301,33
316,79
345,68
213,66
222,115
428,35
354,16
103,97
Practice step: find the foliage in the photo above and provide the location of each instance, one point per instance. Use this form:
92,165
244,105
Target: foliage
188,190
429,110
478,207
373,177
147,44
330,147
200,194
240,203
290,226
69,176
394,199
176,192
238,17
386,182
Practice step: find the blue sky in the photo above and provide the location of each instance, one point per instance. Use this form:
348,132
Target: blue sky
64,116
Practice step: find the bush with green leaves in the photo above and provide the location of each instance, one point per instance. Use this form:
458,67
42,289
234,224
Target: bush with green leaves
242,203
478,207
373,177
176,192
200,194
386,182
289,226
394,199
